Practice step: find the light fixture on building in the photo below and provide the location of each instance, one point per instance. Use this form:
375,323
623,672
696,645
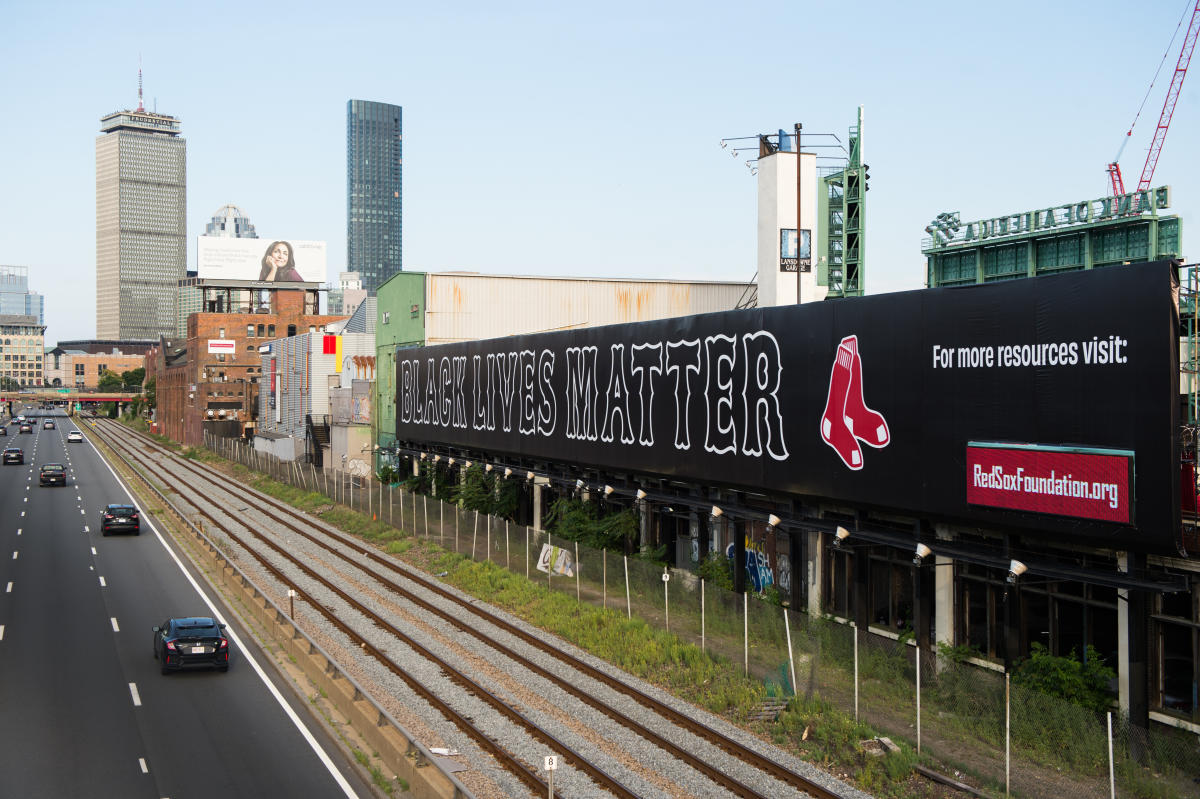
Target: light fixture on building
841,535
1015,569
608,490
922,552
717,512
578,485
773,521
641,494
529,476
487,468
507,472
467,465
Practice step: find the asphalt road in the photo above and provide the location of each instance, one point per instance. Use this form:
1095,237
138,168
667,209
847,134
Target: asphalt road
84,710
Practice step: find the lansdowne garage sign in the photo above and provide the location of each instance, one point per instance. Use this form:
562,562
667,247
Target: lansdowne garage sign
1023,404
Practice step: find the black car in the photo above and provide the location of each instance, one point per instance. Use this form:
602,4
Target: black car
191,641
13,455
120,519
52,474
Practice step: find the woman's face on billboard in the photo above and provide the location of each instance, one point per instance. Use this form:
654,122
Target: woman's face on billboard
279,255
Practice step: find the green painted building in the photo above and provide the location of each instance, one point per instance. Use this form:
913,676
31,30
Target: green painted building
1084,235
400,323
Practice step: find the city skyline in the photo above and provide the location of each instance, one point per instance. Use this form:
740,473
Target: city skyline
585,143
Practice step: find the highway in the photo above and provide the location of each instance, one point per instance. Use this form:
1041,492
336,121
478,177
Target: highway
84,710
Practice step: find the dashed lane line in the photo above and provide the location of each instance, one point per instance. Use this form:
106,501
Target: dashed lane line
116,627
133,691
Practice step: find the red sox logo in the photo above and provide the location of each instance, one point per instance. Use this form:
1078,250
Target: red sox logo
847,419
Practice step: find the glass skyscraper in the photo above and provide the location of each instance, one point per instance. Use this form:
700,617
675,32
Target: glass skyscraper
141,224
373,191
16,298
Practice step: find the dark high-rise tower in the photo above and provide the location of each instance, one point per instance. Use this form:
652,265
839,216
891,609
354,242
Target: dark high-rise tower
373,191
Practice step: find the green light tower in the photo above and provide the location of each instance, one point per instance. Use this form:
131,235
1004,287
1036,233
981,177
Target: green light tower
841,208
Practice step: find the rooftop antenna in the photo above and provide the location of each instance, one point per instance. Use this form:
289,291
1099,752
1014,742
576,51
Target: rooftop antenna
141,108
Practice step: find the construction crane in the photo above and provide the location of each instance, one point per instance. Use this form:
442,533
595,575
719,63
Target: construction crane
1164,119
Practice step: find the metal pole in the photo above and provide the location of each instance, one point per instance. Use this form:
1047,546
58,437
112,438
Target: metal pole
526,553
456,515
604,578
702,615
666,599
508,552
787,627
746,632
918,700
1112,782
1007,732
628,605
475,535
799,219
425,512
489,539
856,672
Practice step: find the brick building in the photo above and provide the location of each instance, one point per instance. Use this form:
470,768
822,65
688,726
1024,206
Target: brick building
209,381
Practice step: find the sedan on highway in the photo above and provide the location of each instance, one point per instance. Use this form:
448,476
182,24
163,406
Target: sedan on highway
13,455
73,436
48,425
191,641
25,428
52,474
3,430
120,519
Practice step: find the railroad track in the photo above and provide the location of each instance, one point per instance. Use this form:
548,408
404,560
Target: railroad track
197,483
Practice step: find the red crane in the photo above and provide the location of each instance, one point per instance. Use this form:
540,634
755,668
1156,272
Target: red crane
1164,119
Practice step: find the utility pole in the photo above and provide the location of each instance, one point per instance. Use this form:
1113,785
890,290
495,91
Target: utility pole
799,216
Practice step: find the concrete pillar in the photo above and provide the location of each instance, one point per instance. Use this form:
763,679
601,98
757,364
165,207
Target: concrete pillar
813,573
943,600
537,506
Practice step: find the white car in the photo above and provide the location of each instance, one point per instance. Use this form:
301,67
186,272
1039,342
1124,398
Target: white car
74,435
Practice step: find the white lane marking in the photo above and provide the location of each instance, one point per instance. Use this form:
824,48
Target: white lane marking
133,691
102,583
116,629
142,763
85,529
81,511
93,550
14,554
1,632
321,754
78,498
26,498
22,513
9,589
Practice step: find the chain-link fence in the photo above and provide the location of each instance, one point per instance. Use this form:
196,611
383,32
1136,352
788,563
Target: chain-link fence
1002,737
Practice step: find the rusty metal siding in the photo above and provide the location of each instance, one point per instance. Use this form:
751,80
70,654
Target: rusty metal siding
466,307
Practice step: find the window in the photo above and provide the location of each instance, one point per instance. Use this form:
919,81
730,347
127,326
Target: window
221,334
260,331
249,331
270,331
291,330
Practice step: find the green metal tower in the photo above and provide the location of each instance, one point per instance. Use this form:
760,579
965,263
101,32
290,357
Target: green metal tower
841,209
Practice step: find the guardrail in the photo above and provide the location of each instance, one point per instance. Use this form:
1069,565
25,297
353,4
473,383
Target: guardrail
407,758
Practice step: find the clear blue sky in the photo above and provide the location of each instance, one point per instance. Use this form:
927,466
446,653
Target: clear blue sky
558,140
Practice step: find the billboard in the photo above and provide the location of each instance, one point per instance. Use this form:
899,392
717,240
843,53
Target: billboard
903,401
268,260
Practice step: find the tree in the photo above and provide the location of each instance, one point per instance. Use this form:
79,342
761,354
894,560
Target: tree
109,381
134,377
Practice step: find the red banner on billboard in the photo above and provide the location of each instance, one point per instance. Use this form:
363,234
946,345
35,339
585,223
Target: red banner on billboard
1087,485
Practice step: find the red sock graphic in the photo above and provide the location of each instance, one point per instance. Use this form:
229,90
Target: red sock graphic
834,430
866,425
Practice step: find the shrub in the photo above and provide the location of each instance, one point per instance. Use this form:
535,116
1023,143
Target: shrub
1082,683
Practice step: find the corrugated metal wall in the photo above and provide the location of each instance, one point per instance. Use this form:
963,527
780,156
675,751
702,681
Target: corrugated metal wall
464,307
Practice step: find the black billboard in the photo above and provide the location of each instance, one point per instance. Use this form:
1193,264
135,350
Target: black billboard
1003,404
